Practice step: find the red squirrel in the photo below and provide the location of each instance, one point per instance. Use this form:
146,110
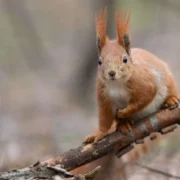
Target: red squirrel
131,83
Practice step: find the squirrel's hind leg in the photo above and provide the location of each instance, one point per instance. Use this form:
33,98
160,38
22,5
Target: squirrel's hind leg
171,102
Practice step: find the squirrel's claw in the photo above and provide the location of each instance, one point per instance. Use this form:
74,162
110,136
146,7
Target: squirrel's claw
89,139
95,138
124,127
171,103
99,136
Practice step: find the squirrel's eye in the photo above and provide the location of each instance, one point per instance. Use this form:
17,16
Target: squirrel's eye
99,62
125,59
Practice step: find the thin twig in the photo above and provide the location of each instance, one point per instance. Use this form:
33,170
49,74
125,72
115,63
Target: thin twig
157,171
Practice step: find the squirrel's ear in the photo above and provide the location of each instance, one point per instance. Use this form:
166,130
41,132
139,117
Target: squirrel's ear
122,23
101,23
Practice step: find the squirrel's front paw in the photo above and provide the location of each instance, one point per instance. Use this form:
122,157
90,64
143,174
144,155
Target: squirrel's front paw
121,114
89,139
95,138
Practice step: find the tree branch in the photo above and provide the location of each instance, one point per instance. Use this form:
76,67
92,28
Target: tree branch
160,122
47,172
163,121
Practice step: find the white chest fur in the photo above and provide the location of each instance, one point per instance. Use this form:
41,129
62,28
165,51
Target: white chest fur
118,95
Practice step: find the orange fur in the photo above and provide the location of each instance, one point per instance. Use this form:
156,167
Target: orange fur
139,86
122,23
101,23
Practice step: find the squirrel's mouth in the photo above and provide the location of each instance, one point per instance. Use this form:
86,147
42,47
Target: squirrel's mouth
113,78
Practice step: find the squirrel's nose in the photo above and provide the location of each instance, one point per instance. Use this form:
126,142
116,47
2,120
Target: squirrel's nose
112,73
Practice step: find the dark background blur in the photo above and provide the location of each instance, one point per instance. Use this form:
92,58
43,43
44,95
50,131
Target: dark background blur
48,67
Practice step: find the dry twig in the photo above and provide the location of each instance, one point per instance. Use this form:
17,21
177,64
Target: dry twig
157,171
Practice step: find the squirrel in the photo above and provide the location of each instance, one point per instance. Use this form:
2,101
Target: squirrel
132,83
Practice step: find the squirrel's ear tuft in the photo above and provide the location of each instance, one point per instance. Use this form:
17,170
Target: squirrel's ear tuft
101,24
122,23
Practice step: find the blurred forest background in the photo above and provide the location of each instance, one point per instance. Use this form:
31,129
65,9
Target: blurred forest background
48,63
